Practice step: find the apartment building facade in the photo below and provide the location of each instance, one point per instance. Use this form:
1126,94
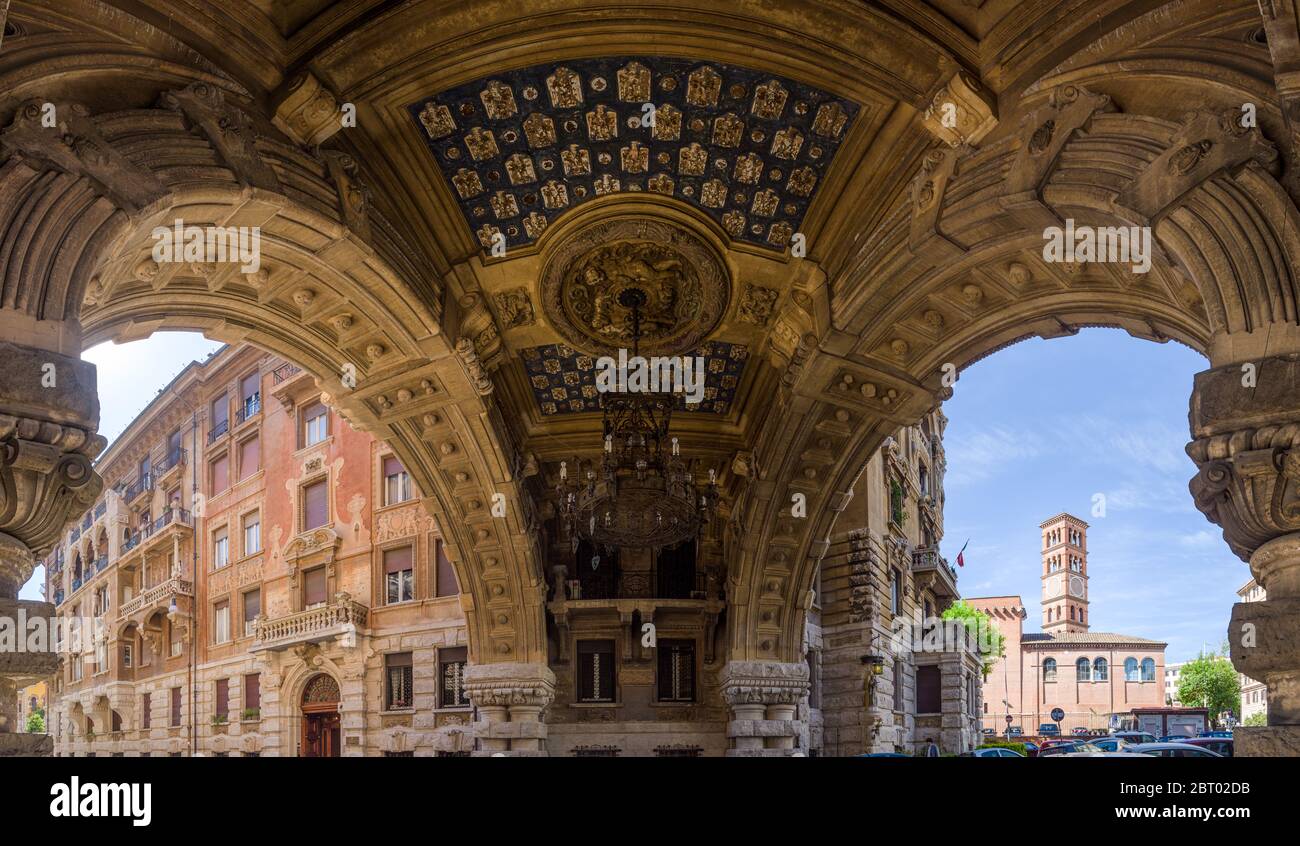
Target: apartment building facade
258,578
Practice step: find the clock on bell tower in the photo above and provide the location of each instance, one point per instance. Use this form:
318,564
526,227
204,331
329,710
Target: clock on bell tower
1065,574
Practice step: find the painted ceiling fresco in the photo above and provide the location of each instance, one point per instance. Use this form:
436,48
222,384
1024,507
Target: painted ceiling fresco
520,148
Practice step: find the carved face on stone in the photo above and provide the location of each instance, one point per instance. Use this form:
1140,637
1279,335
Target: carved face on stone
685,286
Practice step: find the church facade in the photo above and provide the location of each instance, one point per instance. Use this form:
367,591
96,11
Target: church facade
1091,676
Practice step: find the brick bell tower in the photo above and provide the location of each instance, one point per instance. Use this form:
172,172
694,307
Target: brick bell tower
1065,574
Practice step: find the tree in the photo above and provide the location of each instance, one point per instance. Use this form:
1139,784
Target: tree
36,723
991,643
1260,719
1210,681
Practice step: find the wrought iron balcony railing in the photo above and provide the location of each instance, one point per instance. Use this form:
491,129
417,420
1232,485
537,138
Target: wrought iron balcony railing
172,515
75,534
101,510
76,583
100,563
87,521
58,597
284,372
139,486
652,584
221,428
251,407
170,460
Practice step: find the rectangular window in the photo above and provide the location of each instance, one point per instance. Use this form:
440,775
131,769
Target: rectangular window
146,717
397,482
220,549
250,457
219,474
221,707
399,575
250,395
676,681
315,505
896,591
397,681
253,691
451,673
176,645
595,671
252,533
315,424
252,607
313,588
176,707
220,417
928,690
900,684
128,656
445,575
221,622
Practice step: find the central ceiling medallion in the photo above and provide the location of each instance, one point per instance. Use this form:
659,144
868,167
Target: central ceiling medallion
683,287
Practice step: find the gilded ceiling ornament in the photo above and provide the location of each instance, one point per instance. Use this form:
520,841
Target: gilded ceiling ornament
765,202
606,184
727,130
555,195
703,87
756,305
668,123
602,123
467,183
660,183
685,283
540,130
520,168
635,158
830,120
498,100
778,234
487,233
692,159
634,83
504,205
769,100
565,88
577,161
734,222
714,193
749,168
481,144
515,308
802,180
786,143
535,224
437,120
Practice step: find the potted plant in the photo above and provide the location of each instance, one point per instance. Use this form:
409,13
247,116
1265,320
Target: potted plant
249,714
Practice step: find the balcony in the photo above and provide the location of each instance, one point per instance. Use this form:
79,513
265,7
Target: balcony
220,428
74,535
171,460
139,486
651,584
100,563
87,521
251,408
159,594
58,597
929,564
101,510
76,583
342,616
172,517
283,373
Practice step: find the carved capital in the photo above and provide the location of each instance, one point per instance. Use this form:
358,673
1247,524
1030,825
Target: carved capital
962,112
508,685
306,111
764,683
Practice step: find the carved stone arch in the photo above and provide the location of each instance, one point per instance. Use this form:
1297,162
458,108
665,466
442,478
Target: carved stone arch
1219,221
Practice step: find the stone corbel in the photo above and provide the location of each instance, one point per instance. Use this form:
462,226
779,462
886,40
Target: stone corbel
354,194
1045,131
928,188
227,127
962,112
306,111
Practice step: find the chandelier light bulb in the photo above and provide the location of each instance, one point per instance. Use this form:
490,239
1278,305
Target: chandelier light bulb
564,470
609,443
677,450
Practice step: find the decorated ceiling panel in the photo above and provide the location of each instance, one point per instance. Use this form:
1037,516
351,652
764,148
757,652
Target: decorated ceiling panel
564,380
520,148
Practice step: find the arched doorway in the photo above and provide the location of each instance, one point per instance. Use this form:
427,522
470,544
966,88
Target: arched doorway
320,718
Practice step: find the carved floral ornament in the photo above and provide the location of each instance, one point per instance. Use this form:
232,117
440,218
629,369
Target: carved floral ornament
686,283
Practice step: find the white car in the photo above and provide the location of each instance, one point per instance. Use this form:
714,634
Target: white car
1171,750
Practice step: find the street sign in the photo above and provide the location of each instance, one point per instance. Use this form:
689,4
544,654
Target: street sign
1009,719
1057,715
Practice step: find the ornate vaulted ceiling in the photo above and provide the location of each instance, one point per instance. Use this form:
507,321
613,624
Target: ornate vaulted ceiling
520,148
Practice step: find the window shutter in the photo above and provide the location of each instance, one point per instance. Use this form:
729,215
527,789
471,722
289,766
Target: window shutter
252,605
253,691
250,386
315,505
446,576
314,586
928,689
176,706
222,706
392,466
397,560
220,411
250,457
221,474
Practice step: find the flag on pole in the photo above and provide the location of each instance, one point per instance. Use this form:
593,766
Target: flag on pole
961,558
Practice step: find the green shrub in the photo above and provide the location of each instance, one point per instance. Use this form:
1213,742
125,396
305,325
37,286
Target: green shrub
1014,745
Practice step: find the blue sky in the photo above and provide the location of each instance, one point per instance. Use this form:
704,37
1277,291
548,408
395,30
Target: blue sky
1043,426
1034,430
129,377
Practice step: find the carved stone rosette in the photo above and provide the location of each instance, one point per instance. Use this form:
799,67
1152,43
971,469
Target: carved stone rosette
764,697
1246,443
510,699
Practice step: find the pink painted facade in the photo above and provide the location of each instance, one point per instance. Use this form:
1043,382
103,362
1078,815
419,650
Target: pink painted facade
1089,675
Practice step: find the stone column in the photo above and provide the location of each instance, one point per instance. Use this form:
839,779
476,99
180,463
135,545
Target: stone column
48,416
764,697
511,699
1245,424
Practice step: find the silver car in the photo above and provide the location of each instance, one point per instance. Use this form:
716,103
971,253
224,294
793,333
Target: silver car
1171,750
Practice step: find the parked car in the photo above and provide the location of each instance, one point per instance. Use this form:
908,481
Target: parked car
1031,748
1056,746
883,755
1220,745
1135,736
1090,753
992,752
1173,738
1172,750
1079,731
988,732
1049,730
1015,731
1110,744
1226,734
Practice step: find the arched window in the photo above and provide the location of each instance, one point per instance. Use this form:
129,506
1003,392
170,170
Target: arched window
1130,669
1049,670
1148,669
1100,670
1081,668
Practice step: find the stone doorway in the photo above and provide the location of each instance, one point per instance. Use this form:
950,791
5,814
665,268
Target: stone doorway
320,718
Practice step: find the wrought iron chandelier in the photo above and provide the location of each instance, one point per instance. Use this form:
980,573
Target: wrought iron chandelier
643,494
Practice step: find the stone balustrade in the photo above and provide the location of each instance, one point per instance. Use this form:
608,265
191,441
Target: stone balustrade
313,624
157,594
